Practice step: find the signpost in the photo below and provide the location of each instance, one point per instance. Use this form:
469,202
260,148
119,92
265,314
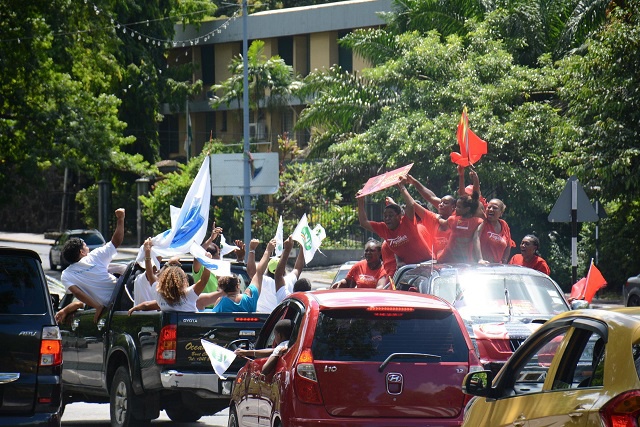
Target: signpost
573,206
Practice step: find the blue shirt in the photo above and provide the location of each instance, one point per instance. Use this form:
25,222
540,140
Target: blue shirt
247,303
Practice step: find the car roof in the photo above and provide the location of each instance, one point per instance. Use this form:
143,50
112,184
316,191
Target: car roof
442,269
6,250
83,231
359,298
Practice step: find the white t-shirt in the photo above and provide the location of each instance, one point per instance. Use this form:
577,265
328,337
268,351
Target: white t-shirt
142,290
91,274
268,298
186,304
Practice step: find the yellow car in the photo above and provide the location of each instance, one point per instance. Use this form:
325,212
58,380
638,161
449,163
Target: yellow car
581,368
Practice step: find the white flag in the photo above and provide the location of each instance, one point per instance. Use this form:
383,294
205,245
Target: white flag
308,239
220,357
216,266
189,223
226,248
279,238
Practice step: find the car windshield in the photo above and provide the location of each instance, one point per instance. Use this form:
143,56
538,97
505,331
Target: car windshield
493,294
359,335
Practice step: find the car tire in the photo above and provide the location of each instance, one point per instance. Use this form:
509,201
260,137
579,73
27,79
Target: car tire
179,415
233,418
633,301
122,401
52,266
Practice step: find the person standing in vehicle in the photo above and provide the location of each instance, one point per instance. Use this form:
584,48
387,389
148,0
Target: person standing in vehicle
87,276
529,257
366,273
464,242
400,230
495,235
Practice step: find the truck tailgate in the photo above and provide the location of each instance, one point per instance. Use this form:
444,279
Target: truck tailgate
218,328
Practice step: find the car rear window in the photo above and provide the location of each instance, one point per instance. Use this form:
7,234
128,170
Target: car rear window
91,238
21,287
360,335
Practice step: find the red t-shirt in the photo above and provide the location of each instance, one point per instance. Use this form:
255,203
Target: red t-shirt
363,276
460,245
405,241
537,263
388,259
438,238
494,244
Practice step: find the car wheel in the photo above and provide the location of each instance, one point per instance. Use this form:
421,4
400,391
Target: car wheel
52,265
122,401
233,418
633,301
181,416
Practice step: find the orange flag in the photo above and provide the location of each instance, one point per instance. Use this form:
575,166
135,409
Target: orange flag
471,146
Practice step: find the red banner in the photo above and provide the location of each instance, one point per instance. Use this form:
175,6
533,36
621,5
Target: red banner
386,180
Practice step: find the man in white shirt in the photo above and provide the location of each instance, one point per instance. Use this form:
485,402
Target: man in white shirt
87,276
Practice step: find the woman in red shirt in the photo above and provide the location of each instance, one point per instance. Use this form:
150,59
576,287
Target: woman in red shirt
495,235
529,255
464,244
368,272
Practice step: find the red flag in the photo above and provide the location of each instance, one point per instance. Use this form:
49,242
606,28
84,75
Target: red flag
471,146
587,287
595,281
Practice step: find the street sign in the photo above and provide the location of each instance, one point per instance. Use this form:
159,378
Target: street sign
561,211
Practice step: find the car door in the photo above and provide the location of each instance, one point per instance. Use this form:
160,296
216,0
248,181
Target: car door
543,384
271,385
90,346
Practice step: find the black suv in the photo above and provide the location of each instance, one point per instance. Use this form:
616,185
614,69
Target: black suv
31,355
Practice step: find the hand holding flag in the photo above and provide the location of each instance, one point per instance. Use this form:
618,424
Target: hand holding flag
279,237
310,240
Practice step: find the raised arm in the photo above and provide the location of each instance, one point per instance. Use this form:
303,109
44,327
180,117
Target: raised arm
251,259
200,284
409,210
461,181
262,267
362,214
299,265
145,306
148,265
215,232
426,194
118,234
281,268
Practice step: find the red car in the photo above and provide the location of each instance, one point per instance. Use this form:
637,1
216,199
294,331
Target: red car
359,357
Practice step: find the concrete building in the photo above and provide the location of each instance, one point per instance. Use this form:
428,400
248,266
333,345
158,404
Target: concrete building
306,38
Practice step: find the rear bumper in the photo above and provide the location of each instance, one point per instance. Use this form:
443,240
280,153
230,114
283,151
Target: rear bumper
35,420
204,382
376,422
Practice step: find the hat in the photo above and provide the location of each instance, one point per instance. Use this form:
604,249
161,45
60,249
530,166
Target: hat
273,264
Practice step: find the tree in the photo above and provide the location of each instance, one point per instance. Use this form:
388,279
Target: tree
271,81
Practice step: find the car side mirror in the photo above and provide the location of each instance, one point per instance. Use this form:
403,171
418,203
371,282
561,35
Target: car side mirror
478,383
579,304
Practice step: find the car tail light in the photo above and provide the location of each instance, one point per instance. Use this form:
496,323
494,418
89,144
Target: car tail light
51,347
247,319
622,411
387,311
306,380
167,344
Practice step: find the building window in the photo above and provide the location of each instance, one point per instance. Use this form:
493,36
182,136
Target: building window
169,135
208,65
345,55
285,49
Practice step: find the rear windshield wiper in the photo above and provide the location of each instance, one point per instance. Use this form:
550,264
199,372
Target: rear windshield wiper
407,356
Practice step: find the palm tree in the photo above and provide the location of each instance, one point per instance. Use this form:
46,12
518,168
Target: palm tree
271,81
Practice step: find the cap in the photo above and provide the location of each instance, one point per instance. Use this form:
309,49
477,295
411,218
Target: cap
273,264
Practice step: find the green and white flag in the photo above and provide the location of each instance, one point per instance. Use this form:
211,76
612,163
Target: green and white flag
279,237
220,357
310,240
